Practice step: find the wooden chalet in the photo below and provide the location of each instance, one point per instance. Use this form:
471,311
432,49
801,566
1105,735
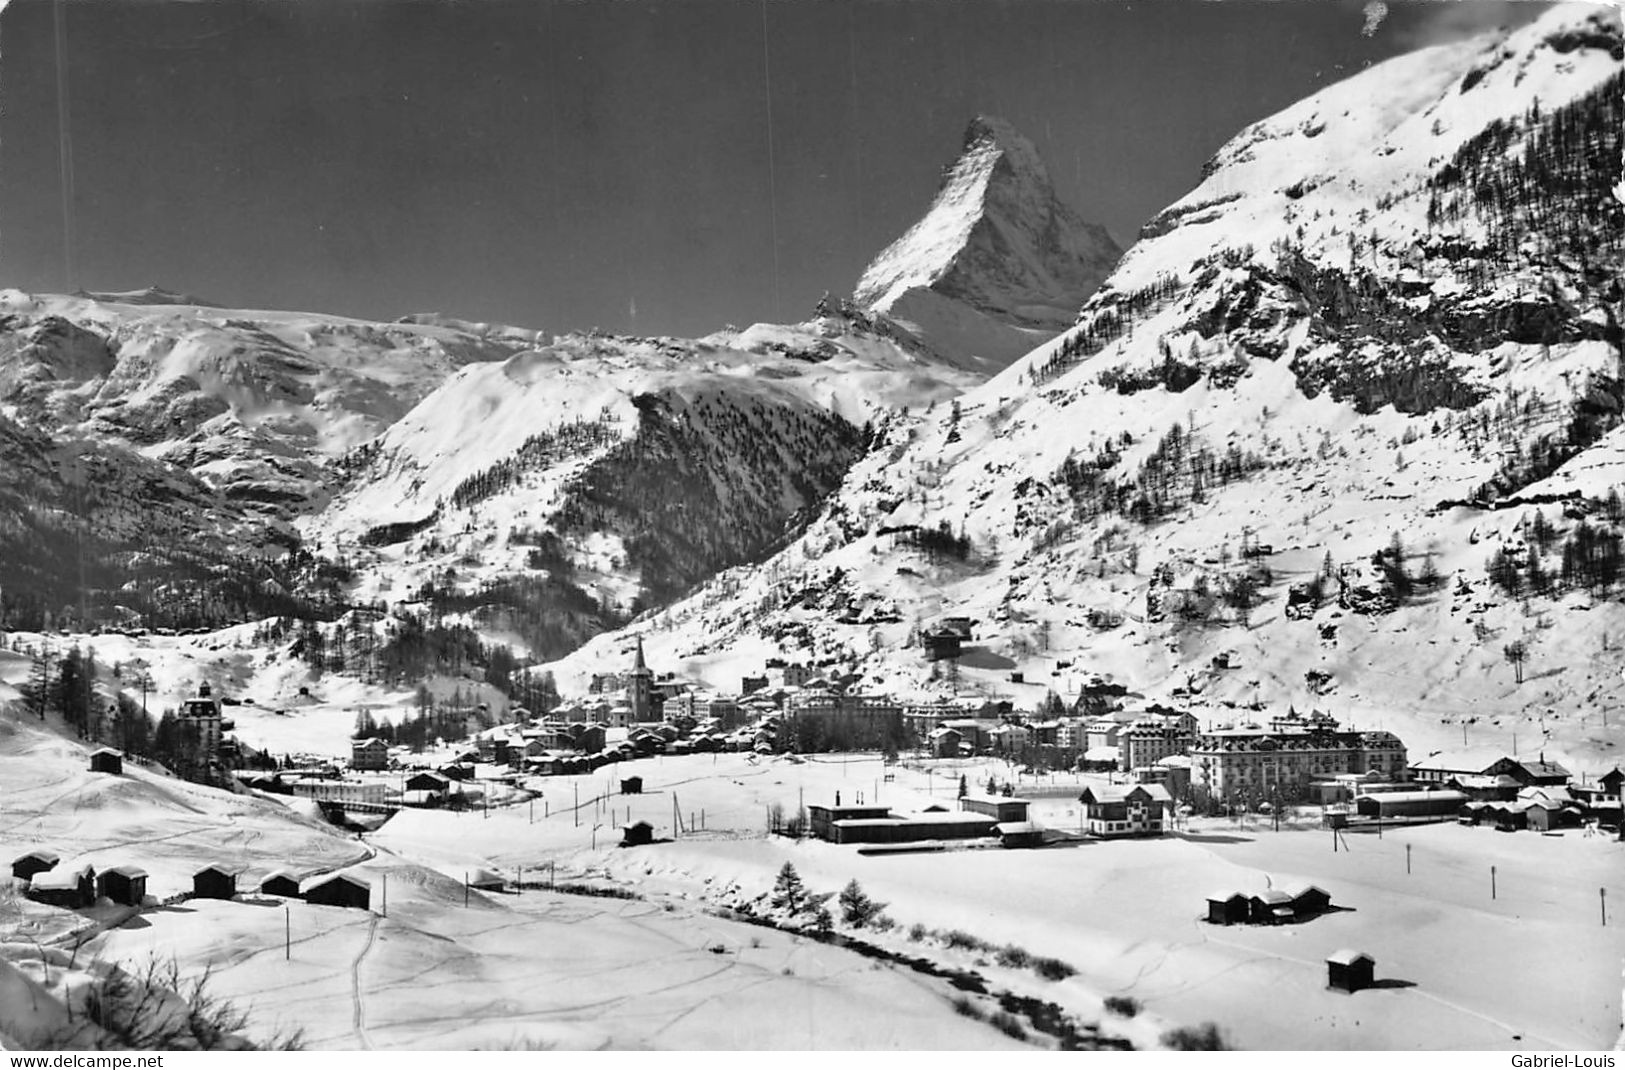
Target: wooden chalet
637,834
1125,810
70,887
215,881
1270,907
125,885
1350,971
427,781
107,760
24,867
281,883
1227,908
341,890
1308,899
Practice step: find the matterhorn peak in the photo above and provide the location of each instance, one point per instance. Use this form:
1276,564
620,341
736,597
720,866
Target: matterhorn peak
998,264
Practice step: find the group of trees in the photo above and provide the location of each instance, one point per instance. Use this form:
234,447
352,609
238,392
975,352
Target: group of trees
936,543
708,483
1544,172
540,450
68,684
1589,558
420,727
1180,471
1110,315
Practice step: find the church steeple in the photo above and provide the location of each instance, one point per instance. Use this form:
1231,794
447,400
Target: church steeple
640,687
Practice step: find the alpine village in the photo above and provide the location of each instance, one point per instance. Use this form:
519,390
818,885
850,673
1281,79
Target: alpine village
1215,641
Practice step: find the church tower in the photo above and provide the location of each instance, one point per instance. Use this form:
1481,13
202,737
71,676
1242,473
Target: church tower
640,687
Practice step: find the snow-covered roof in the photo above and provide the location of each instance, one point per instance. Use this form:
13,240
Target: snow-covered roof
42,854
1347,957
228,869
948,817
1108,793
1460,761
58,879
1301,888
1385,797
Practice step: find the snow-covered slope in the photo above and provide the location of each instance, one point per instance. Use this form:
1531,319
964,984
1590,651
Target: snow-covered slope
1387,320
998,264
158,444
617,472
252,402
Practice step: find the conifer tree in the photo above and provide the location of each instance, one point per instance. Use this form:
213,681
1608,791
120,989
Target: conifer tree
788,891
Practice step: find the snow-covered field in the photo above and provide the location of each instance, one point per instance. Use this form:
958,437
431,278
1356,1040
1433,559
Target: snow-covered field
1127,914
551,969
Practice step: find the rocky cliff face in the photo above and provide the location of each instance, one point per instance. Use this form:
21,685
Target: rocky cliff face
997,265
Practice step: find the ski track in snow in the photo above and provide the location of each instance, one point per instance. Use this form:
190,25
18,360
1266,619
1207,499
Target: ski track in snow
355,986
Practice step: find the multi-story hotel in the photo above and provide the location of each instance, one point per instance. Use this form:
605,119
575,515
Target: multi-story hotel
1284,758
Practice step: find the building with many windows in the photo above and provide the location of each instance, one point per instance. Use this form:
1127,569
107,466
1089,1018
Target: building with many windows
1251,763
1149,740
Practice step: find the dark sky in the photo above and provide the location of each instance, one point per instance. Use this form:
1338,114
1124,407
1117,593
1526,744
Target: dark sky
566,165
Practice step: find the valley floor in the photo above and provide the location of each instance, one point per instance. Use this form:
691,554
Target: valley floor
1531,968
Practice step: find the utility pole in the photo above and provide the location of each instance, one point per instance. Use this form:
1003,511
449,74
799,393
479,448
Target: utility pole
287,933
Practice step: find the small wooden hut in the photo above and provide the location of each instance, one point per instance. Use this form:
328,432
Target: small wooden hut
341,890
107,760
1349,971
216,881
1227,908
23,867
282,883
125,885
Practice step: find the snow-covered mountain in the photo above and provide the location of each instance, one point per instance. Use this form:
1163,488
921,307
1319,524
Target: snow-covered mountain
253,402
1348,416
158,445
577,483
998,265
